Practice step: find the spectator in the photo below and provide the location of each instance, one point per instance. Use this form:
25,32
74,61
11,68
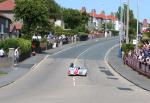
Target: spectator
16,55
2,53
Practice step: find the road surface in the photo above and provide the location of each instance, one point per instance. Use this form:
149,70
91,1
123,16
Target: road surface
48,81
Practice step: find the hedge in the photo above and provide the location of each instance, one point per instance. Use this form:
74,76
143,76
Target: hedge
83,36
25,46
127,47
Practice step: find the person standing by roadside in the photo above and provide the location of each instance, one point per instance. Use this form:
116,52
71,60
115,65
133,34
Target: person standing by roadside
16,55
2,53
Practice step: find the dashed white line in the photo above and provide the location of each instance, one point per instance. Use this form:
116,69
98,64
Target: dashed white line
74,81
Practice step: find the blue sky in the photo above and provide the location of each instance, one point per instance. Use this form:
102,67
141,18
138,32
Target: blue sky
109,6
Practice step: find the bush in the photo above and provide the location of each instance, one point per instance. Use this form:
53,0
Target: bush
146,36
83,36
9,43
115,33
127,47
25,46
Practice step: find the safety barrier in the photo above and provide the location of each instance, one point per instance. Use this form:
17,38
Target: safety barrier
141,67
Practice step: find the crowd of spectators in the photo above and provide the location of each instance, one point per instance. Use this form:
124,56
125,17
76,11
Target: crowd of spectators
142,54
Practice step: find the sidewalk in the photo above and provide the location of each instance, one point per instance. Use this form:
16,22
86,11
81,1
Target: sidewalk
22,68
117,64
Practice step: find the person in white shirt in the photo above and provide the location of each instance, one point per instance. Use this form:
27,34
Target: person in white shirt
16,55
2,53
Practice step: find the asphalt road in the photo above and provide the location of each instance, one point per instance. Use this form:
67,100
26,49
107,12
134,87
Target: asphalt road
48,81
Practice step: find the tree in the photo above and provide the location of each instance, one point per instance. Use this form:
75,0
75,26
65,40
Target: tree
71,18
102,12
54,10
33,13
2,0
132,21
75,20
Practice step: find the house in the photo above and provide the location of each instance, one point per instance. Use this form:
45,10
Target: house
6,9
97,23
4,26
98,20
59,23
145,26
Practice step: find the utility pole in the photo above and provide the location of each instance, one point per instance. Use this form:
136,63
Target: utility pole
121,22
120,29
137,31
127,25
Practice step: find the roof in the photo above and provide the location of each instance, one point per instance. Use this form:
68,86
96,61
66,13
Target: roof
7,5
15,25
102,16
111,17
4,16
18,25
93,14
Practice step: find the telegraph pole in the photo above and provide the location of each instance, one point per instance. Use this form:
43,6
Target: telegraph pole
121,22
127,25
137,31
120,29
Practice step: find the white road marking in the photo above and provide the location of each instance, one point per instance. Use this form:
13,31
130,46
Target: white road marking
122,79
74,81
35,66
106,59
106,55
96,40
62,51
82,54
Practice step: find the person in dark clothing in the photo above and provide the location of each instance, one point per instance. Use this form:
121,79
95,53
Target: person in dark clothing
71,65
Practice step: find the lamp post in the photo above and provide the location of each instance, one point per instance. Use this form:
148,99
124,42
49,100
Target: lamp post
137,31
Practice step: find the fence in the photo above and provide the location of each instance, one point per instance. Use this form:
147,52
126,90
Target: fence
141,67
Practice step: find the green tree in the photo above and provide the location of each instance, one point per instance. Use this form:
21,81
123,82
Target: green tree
132,21
102,12
71,18
75,20
54,10
34,15
2,0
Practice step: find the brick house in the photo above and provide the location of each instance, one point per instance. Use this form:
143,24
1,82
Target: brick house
6,9
145,25
4,26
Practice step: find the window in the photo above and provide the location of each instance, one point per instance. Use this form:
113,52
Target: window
6,23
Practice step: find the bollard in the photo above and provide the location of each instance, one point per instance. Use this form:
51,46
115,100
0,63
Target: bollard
54,45
61,43
120,53
11,55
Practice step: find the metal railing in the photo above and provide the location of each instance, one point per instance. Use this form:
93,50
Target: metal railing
141,67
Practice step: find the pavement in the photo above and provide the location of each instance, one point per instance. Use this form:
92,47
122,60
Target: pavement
113,60
17,71
117,64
